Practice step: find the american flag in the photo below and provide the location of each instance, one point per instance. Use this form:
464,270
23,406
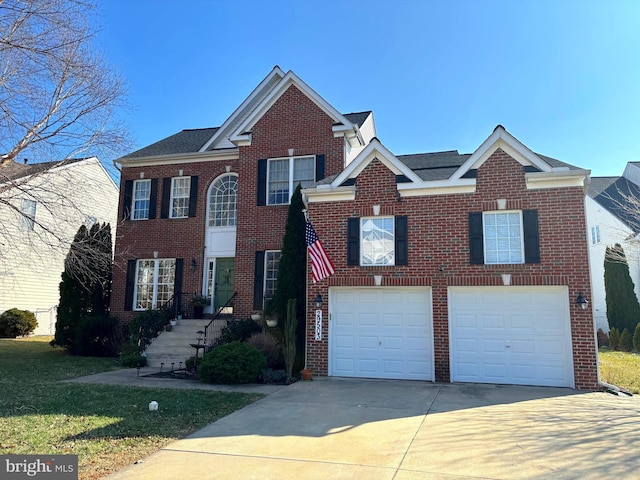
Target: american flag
321,266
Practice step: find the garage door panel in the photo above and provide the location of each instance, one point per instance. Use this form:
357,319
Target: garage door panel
345,341
392,333
522,335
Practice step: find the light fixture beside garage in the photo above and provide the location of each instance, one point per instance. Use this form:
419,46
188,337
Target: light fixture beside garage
318,301
581,301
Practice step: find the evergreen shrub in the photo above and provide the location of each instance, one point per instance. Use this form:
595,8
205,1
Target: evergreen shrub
17,323
232,363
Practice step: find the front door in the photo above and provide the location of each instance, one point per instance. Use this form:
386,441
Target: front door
224,280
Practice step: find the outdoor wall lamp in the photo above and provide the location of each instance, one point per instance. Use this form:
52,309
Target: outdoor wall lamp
581,301
194,264
319,301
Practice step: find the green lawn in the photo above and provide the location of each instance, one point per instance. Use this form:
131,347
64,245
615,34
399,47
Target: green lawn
621,369
107,426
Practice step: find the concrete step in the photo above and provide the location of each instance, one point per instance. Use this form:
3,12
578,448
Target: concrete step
175,346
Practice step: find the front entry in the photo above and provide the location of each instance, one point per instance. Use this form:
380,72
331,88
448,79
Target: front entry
224,281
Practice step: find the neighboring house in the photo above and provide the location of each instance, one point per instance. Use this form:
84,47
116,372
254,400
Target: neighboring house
613,218
42,206
448,267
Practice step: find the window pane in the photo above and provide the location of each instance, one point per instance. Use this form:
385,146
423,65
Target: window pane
223,202
28,210
278,182
377,241
180,190
503,237
154,283
304,171
272,260
141,196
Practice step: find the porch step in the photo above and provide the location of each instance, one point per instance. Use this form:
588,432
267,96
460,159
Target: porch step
175,346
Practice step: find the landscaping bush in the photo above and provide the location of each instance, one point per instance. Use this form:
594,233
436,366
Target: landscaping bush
270,348
133,360
614,339
235,362
238,331
603,338
147,325
17,323
626,341
95,336
274,377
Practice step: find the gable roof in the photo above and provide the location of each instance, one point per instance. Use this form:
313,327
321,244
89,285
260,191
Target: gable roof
17,170
620,197
186,141
434,166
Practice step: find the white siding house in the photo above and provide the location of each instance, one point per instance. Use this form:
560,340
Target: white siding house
41,208
608,225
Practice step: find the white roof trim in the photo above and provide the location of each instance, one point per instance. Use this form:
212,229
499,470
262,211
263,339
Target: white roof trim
557,179
374,150
502,139
256,91
240,134
172,159
319,194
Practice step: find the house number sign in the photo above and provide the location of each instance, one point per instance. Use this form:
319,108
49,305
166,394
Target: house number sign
318,324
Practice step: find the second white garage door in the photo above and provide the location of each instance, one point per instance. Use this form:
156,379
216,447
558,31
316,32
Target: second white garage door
512,335
381,333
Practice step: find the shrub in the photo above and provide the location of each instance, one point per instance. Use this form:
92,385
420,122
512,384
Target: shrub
238,331
603,338
614,339
133,360
95,336
17,323
626,341
636,338
274,377
270,348
147,325
235,362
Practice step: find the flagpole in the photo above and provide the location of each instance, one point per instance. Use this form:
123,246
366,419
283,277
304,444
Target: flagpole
306,294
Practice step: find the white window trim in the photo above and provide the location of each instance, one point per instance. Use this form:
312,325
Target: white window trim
133,199
174,197
211,211
154,295
265,300
484,243
291,164
28,217
393,245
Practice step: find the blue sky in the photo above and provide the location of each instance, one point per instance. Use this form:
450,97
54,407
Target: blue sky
561,76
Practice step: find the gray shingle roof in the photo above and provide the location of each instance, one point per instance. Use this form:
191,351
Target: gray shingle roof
186,141
614,195
17,170
358,118
434,166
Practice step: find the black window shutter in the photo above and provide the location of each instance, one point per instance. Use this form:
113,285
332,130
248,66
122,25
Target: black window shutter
166,197
153,198
126,199
319,167
530,229
476,245
193,196
353,241
262,182
258,281
402,240
131,278
177,285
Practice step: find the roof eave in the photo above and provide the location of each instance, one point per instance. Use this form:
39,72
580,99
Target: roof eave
224,154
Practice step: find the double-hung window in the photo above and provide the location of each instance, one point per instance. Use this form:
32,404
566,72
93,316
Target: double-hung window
154,283
28,218
284,175
141,199
503,237
180,192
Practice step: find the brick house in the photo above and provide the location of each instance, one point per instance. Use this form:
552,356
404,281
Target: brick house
448,267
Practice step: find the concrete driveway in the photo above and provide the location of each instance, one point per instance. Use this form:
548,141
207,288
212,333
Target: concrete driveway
404,430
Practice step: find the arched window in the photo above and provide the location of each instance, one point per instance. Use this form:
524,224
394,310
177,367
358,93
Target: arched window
223,201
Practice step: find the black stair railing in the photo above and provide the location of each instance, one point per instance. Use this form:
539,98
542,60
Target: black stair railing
212,331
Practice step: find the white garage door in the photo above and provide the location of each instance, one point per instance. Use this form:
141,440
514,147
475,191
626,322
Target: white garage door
381,333
511,335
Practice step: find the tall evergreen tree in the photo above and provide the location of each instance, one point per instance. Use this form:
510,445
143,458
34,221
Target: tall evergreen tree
623,309
85,288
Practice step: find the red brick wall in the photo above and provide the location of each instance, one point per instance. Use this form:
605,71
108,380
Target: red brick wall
438,236
295,122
